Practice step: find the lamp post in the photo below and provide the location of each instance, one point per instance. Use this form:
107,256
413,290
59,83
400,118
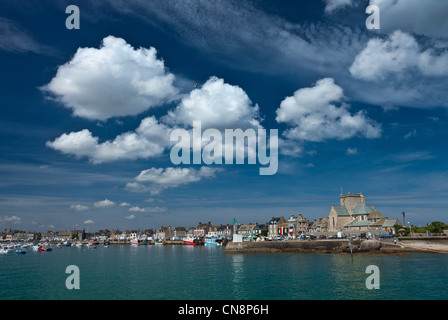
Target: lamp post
410,229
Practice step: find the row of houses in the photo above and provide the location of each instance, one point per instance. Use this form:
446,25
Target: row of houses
352,215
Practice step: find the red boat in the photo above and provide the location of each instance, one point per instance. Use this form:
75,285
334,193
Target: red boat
42,249
192,242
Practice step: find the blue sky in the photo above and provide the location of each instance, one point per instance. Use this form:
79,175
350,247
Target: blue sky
87,113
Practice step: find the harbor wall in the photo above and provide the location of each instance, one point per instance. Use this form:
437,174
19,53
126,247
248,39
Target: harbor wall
434,244
321,246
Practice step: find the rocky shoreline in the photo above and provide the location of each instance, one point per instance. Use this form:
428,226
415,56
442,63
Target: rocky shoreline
321,246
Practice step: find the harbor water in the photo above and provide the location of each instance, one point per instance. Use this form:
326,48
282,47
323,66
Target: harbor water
165,272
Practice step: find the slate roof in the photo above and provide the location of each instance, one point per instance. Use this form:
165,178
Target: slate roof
362,208
341,211
358,223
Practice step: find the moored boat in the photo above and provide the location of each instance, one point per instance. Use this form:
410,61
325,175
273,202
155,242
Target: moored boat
191,241
213,241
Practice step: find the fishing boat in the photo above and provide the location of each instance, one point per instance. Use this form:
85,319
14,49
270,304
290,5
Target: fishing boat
191,241
90,245
66,244
158,242
4,250
213,241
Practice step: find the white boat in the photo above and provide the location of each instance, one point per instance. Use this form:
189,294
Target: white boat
79,244
3,250
91,246
134,241
212,242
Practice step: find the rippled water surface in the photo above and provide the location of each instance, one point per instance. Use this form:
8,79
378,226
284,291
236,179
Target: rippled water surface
184,272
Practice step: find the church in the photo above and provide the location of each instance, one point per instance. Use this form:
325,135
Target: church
353,214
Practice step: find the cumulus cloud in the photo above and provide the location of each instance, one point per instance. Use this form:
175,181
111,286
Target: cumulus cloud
112,81
216,105
156,180
125,204
149,140
79,207
89,221
314,116
104,203
398,53
130,217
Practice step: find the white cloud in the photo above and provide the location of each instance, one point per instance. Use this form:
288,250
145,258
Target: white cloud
11,219
427,17
136,209
334,5
156,180
14,39
104,203
148,209
217,105
352,151
79,207
112,81
149,140
410,134
315,117
124,204
398,53
130,217
89,221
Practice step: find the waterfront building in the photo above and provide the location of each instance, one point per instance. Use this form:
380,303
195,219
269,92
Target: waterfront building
246,230
296,225
353,214
318,225
274,226
164,233
180,232
212,231
225,231
260,229
201,229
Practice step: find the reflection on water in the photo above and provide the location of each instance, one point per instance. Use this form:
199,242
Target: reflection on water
238,275
188,272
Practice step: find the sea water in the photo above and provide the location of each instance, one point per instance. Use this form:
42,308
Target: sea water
207,273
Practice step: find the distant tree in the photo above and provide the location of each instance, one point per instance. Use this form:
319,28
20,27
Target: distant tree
437,227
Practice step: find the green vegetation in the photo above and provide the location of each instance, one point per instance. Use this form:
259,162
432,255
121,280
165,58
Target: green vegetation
433,227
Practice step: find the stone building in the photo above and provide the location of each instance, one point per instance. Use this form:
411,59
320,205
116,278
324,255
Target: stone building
353,214
274,226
